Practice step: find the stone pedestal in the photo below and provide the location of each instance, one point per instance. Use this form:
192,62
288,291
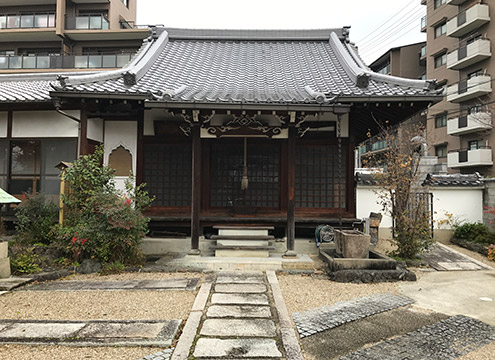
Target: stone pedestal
352,244
4,260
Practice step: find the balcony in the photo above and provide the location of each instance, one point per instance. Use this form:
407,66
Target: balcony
469,54
27,21
87,22
468,20
469,88
64,61
423,24
456,2
471,123
466,157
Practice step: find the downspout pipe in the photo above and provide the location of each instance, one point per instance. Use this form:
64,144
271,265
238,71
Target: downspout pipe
56,104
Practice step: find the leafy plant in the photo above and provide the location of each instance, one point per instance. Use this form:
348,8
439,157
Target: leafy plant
475,232
35,218
115,267
25,262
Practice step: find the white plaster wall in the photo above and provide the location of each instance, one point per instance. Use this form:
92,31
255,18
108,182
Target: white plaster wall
3,124
47,123
121,133
465,204
367,200
149,117
95,129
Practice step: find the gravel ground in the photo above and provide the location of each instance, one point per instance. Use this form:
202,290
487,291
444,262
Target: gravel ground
94,305
306,292
486,352
24,352
134,276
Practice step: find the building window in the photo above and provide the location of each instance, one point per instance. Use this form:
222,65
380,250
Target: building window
475,109
379,145
33,164
385,69
439,3
440,29
473,145
441,151
125,2
440,60
441,120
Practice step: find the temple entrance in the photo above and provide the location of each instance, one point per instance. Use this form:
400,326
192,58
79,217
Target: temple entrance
245,177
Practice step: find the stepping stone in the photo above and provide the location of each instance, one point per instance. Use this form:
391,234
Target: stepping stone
238,311
239,327
236,348
239,299
13,282
239,279
40,331
163,284
240,288
122,330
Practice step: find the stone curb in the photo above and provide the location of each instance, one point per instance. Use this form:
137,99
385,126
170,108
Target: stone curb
289,338
190,329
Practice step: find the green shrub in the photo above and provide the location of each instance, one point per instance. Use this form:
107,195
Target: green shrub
474,232
25,262
102,223
115,267
35,218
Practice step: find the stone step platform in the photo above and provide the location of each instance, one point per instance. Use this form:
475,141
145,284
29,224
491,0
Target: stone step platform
90,333
243,230
447,339
242,243
242,237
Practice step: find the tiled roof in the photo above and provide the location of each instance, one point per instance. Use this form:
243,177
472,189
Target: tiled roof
364,179
453,180
232,66
224,66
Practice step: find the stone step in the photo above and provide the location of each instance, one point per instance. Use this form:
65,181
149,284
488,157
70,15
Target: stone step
242,243
242,237
232,348
240,252
239,327
230,227
240,278
242,232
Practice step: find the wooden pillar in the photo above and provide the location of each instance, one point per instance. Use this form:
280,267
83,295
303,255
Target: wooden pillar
291,184
196,189
140,148
83,134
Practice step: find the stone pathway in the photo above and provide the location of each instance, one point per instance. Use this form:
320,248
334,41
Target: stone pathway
443,258
166,284
327,317
447,339
94,333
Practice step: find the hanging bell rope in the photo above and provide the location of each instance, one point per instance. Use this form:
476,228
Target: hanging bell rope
245,181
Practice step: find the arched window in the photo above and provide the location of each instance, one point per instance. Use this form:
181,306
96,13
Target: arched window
120,159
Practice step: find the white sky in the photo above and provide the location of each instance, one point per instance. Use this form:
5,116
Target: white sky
376,26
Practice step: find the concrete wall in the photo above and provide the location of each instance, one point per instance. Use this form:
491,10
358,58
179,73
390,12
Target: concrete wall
489,201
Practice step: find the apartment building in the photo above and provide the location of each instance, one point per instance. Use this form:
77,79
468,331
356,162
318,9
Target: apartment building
460,36
50,35
408,61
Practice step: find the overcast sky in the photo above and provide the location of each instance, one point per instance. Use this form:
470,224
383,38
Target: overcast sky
376,26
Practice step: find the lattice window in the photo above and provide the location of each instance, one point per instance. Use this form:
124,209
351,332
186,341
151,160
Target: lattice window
168,169
318,175
263,174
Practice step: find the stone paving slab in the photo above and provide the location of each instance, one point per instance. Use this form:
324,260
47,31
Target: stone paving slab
240,288
10,283
447,339
442,258
74,285
236,277
238,311
327,317
239,299
90,333
239,327
236,348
